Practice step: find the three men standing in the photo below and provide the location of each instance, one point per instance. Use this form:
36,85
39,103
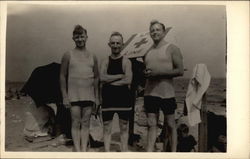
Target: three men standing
163,62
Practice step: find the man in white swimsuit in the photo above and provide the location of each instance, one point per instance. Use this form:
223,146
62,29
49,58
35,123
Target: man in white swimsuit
79,87
163,62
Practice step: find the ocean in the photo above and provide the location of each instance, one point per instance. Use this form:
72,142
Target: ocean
216,93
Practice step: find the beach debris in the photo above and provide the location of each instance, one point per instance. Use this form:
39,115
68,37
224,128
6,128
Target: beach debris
60,140
37,139
17,121
46,141
16,118
12,94
17,94
9,94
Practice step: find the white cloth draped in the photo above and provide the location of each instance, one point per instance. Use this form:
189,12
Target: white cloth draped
198,85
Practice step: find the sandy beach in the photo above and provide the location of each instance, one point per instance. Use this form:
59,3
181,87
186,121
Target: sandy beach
15,110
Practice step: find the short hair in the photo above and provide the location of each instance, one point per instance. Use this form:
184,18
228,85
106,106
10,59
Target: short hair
183,128
79,30
153,22
116,33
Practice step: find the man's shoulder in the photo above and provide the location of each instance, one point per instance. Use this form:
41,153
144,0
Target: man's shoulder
105,59
125,59
66,55
173,47
94,57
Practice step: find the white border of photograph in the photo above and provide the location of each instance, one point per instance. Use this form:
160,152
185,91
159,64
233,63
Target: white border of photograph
237,86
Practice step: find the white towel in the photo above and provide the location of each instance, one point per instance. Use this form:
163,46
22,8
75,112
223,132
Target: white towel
32,128
198,85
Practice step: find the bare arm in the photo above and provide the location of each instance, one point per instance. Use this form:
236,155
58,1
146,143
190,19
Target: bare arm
63,80
104,77
177,70
127,78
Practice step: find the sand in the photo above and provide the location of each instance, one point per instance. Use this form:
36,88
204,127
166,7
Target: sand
15,117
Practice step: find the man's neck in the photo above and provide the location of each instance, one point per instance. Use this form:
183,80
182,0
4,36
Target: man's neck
156,43
115,56
80,48
159,43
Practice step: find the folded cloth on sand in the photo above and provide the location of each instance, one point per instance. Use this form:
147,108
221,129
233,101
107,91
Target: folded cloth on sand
198,85
32,128
60,140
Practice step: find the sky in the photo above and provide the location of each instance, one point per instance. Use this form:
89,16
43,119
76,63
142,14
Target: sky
37,35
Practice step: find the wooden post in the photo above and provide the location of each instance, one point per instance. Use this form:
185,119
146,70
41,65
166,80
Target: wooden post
202,143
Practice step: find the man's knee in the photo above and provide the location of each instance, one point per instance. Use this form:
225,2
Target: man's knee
152,121
85,122
76,123
107,127
170,122
123,125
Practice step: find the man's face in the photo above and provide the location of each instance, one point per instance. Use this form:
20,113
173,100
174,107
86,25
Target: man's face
116,44
157,32
80,39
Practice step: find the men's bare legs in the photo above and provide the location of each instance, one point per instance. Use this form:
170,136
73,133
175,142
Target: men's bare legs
152,131
76,125
85,123
107,126
171,133
124,135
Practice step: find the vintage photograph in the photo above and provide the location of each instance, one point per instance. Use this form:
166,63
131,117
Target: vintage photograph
115,78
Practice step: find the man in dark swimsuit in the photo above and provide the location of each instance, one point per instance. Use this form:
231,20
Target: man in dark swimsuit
116,77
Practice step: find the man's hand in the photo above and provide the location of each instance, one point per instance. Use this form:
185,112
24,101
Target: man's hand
147,73
154,75
66,103
95,110
117,82
97,101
